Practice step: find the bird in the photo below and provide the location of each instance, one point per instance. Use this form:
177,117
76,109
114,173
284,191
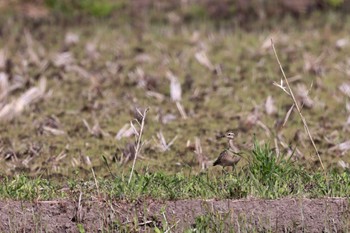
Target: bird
227,159
230,156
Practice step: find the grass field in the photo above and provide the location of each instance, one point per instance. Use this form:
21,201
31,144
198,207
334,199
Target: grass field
70,94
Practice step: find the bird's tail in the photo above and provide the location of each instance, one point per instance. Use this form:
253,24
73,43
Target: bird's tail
215,163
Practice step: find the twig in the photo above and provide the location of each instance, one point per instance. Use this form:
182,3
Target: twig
181,110
169,229
108,168
96,183
80,209
145,223
287,115
138,144
296,104
277,148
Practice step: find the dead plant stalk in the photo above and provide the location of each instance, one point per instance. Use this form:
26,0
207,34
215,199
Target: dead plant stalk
138,140
96,183
296,104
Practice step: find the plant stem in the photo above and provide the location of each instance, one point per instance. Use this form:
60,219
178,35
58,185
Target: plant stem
297,105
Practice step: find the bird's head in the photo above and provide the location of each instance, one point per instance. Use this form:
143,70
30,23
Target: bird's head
230,135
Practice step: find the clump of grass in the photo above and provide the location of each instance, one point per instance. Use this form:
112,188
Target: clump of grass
265,165
269,175
221,222
101,8
23,188
90,7
335,3
211,222
195,12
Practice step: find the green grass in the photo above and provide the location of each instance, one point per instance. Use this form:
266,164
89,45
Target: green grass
211,222
220,222
86,7
21,187
264,176
198,10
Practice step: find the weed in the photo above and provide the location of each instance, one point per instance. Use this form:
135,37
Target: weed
81,228
21,187
91,7
212,222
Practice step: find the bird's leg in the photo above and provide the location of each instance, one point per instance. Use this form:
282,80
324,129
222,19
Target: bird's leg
232,169
224,172
237,172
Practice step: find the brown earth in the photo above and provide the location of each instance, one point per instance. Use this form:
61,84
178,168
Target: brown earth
284,215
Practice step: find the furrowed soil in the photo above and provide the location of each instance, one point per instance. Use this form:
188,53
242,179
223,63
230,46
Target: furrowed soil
70,92
283,215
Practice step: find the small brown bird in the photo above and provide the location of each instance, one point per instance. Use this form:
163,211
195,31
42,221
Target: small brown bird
227,159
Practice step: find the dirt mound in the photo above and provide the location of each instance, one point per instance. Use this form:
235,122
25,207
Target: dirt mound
284,215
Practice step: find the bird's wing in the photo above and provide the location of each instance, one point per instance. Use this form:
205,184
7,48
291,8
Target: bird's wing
231,152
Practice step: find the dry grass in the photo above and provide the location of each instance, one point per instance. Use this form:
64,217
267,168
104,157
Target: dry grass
295,103
138,134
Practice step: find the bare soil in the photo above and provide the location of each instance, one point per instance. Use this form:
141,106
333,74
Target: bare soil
284,215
